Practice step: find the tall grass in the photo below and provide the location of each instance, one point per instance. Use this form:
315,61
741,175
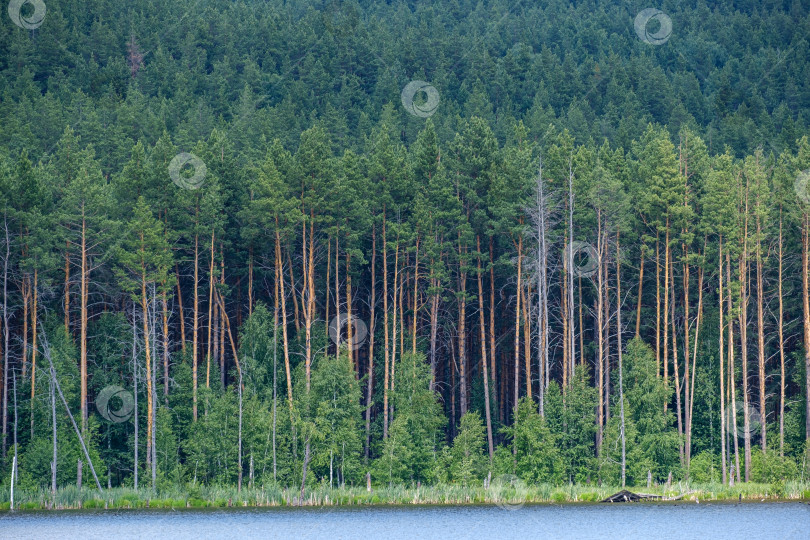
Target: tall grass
197,496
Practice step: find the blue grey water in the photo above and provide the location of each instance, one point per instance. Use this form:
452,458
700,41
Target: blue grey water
783,521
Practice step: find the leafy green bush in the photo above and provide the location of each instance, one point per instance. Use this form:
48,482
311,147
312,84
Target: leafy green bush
704,468
770,467
777,489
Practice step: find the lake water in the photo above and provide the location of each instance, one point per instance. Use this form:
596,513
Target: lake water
785,521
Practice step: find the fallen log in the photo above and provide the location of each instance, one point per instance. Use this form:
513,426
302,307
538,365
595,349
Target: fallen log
629,496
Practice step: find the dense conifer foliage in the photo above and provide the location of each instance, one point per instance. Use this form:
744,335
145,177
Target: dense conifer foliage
292,243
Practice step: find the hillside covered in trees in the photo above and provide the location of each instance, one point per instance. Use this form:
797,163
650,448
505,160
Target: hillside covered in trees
299,243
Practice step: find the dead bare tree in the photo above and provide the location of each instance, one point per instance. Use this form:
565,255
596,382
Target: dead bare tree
541,215
570,252
46,350
55,442
5,335
135,388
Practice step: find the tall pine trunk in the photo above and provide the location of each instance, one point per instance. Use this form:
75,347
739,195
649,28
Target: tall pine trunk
806,312
83,338
517,323
780,330
690,402
280,280
148,354
462,328
492,349
619,349
720,308
386,366
600,330
5,336
761,331
732,389
34,310
676,374
743,321
372,328
211,282
484,353
665,359
180,310
195,324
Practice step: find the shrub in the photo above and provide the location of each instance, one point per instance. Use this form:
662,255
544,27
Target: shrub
703,468
589,497
770,467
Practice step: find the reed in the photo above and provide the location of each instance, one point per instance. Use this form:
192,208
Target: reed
512,495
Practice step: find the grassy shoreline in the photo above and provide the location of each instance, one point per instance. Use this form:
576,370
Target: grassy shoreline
272,496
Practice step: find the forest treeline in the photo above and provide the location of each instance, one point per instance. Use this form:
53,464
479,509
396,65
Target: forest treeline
231,255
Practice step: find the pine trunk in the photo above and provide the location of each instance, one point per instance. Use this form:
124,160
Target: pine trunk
34,310
780,330
484,353
462,331
723,418
195,324
761,336
386,366
732,390
83,338
148,354
517,323
743,321
372,327
806,312
211,282
280,280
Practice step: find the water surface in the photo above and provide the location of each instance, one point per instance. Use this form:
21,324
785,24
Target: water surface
788,520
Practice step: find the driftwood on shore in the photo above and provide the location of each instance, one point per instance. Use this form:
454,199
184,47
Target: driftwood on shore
629,496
